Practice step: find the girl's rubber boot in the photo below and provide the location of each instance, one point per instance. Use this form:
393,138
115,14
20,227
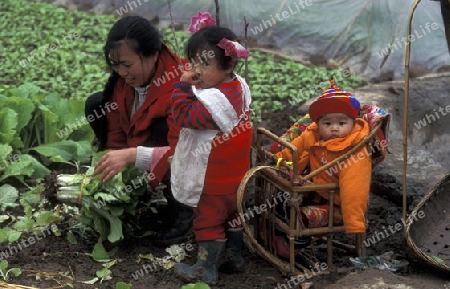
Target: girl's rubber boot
205,270
233,261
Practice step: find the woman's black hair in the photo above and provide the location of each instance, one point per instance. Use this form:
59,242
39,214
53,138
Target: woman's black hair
141,36
206,39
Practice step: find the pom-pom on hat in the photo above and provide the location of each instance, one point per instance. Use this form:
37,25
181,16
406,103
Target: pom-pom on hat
334,99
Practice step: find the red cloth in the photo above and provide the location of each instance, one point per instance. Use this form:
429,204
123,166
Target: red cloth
123,133
218,202
228,161
213,216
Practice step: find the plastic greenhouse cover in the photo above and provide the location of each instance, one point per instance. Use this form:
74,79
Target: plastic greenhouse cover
368,36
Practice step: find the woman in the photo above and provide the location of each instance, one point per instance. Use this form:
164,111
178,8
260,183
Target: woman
132,116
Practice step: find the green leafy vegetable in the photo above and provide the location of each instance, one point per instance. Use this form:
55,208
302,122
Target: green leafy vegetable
105,205
122,285
437,259
4,271
39,128
198,285
8,196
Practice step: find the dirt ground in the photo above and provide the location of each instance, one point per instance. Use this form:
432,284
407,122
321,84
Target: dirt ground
58,263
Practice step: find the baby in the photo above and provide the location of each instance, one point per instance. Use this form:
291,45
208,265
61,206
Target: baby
337,129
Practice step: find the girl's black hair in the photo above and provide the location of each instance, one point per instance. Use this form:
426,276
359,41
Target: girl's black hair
140,35
207,39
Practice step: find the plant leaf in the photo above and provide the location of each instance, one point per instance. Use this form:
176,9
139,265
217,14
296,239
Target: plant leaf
65,150
39,170
24,108
24,225
26,90
8,196
22,168
15,271
99,252
4,218
45,218
199,285
8,124
115,228
3,236
13,236
5,151
122,285
27,166
71,238
104,274
3,267
33,196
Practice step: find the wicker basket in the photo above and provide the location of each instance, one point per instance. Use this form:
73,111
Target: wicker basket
427,231
262,186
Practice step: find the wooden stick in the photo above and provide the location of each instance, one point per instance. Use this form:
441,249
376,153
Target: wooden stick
324,167
245,45
344,156
173,32
405,110
269,32
217,12
294,152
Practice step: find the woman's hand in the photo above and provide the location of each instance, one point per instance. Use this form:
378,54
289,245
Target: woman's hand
112,162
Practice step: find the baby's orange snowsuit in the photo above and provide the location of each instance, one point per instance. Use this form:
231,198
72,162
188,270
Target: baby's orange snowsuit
353,174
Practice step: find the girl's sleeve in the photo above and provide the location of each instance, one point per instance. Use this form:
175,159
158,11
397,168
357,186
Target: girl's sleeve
187,111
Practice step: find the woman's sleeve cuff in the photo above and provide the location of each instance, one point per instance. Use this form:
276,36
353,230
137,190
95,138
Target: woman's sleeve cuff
143,157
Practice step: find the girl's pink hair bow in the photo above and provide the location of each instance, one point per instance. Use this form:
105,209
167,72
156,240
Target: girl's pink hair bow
200,21
233,49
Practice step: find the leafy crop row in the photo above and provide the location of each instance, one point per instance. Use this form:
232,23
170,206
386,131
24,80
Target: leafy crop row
61,52
57,50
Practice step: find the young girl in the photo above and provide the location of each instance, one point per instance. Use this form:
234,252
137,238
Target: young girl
212,104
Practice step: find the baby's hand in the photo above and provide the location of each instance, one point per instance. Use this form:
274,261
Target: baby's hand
190,76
